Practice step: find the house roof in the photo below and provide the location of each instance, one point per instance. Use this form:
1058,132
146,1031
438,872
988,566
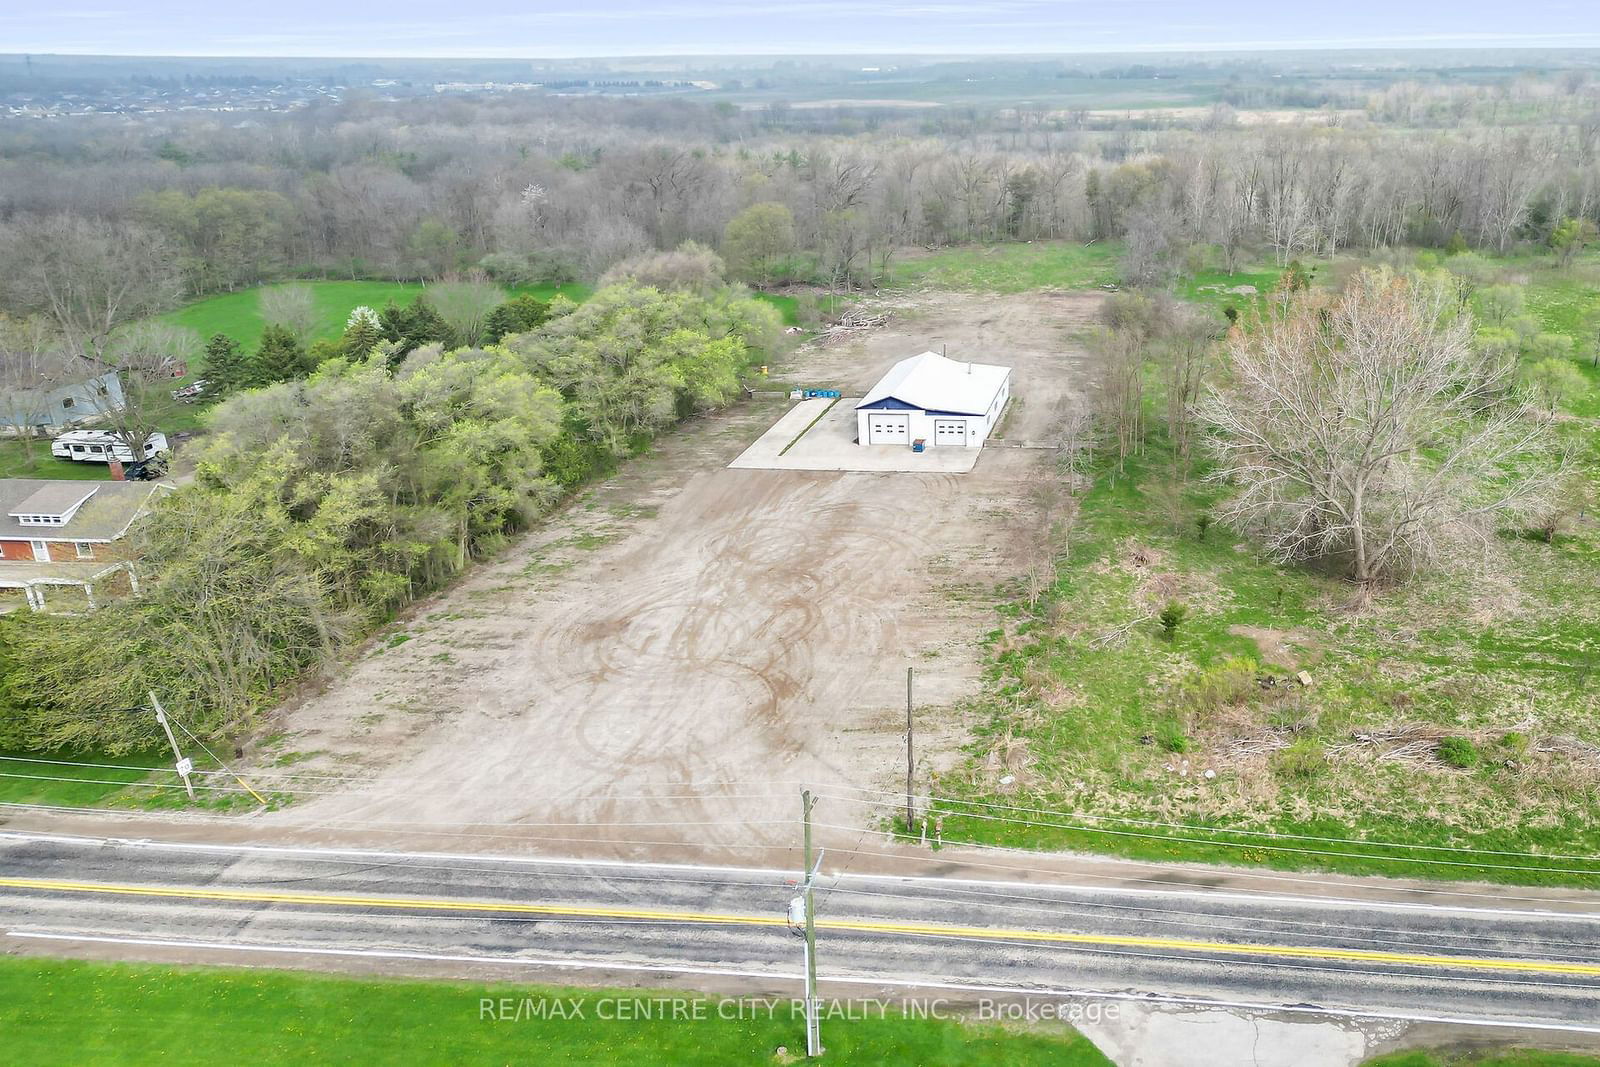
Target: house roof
105,516
54,498
933,383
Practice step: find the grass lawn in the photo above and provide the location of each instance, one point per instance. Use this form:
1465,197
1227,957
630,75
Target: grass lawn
1012,268
1217,289
1459,712
14,463
134,1014
23,781
140,781
1510,1058
239,316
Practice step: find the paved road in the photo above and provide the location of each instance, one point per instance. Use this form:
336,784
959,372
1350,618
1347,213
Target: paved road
724,929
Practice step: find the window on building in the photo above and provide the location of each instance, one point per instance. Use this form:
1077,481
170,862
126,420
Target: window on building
85,549
67,403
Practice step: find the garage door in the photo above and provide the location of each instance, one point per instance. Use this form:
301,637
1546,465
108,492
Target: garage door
888,429
950,432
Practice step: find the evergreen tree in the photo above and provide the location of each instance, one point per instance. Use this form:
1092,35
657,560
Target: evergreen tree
280,357
228,369
362,333
517,315
413,326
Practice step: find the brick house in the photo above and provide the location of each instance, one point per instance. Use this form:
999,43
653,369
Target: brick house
66,533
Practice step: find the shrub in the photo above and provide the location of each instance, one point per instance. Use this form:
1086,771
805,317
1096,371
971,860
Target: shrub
1514,743
691,266
1170,736
1458,752
1302,760
1229,683
1171,617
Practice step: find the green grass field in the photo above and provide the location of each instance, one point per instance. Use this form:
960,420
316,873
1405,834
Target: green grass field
25,781
1217,289
18,461
1011,268
138,781
1509,1058
238,314
97,1013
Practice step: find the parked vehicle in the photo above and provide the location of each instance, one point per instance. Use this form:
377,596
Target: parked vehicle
98,446
191,392
150,470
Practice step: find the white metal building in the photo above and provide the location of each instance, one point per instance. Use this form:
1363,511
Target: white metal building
940,401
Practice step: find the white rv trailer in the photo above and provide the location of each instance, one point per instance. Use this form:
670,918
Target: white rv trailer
98,446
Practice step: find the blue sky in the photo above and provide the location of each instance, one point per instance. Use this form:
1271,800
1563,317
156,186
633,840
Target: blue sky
560,28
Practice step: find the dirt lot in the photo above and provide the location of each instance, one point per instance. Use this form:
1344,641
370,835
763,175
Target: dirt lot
717,636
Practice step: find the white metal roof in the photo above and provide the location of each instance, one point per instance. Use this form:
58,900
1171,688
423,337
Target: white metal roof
933,383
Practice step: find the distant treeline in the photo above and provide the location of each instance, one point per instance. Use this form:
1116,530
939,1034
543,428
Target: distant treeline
532,189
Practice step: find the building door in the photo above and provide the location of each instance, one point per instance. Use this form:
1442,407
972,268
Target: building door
888,429
41,551
950,432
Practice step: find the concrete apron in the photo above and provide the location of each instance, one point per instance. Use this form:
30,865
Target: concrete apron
1149,1035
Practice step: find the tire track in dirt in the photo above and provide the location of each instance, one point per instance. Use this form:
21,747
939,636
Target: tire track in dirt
755,629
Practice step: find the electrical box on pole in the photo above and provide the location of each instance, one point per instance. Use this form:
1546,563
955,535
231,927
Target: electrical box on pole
185,766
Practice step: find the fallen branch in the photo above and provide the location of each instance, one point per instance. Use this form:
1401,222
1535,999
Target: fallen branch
1119,633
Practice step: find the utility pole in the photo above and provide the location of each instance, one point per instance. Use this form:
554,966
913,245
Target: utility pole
184,765
911,763
813,1009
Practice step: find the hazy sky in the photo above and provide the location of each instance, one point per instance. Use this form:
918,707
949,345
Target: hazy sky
552,28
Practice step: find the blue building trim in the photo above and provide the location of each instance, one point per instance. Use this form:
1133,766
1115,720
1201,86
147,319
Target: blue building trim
890,403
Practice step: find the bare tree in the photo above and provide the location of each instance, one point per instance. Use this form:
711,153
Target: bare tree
32,367
146,356
1350,429
88,278
1119,389
465,307
690,266
1186,352
291,306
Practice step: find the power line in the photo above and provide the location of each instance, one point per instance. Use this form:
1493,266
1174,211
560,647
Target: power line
104,781
428,828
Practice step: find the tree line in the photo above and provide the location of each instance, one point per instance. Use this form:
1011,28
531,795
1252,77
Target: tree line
533,190
322,505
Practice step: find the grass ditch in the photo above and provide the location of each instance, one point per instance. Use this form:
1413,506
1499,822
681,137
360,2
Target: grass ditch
137,782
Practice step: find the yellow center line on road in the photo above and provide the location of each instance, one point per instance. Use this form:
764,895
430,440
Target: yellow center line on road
850,925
